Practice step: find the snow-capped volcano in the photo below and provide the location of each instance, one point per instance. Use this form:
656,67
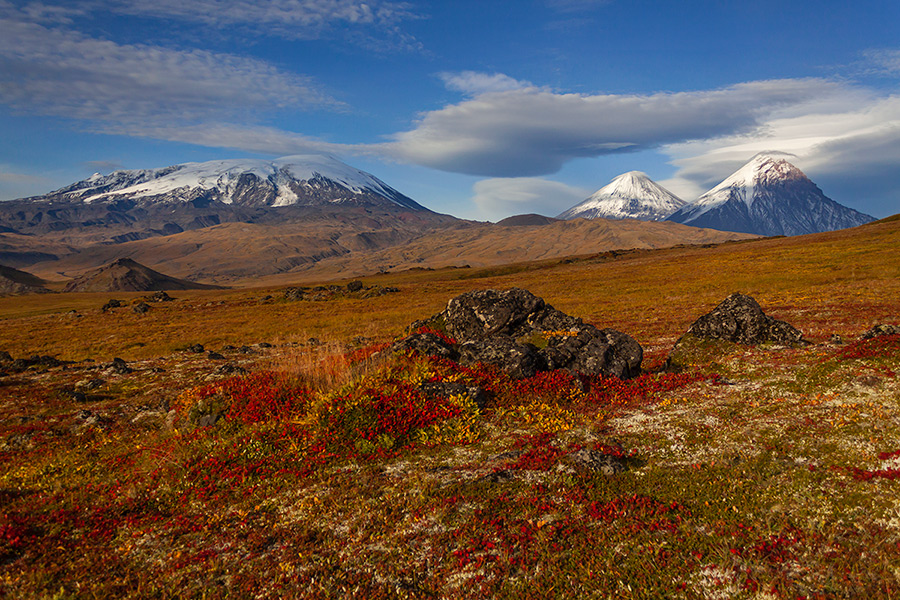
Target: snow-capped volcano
768,196
292,180
631,195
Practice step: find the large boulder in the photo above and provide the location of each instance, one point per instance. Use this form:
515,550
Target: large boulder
741,320
484,313
521,334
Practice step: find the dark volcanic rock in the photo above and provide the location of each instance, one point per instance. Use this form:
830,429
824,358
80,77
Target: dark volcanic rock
196,348
110,304
741,320
518,332
159,296
426,343
447,389
594,460
521,334
879,330
484,313
141,308
354,286
519,360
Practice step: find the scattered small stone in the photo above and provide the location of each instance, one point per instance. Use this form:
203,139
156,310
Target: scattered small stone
446,389
159,296
265,299
196,348
264,345
599,462
73,314
231,369
245,350
208,420
881,329
156,370
110,304
501,476
214,356
120,366
141,308
313,342
361,340
836,339
228,348
870,381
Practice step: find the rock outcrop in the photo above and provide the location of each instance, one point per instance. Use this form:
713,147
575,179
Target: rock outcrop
740,319
520,333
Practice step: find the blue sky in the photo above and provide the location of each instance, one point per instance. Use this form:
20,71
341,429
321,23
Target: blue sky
481,109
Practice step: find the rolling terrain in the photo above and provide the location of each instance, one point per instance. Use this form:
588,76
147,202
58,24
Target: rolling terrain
261,442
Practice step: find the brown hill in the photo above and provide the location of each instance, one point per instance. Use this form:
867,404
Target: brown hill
14,282
529,220
325,249
126,275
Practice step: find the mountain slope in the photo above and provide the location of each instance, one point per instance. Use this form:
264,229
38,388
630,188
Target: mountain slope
126,275
768,196
128,206
14,282
631,195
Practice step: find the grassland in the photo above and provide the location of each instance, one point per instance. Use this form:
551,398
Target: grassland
761,472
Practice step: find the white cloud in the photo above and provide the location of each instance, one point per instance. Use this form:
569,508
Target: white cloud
502,197
475,83
534,131
851,150
63,73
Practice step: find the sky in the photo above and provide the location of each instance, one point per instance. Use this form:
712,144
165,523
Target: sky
476,108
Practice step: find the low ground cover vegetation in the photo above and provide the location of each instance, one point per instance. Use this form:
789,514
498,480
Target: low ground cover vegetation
334,467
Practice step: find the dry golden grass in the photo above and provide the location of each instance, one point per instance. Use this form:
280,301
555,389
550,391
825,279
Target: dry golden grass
827,283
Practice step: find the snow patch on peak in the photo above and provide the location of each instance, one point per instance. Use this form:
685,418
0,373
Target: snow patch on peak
228,179
632,195
763,169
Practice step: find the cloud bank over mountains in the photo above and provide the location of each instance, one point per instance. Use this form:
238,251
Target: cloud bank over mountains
495,125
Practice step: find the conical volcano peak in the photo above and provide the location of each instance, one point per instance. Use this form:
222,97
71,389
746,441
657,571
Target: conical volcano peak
631,195
765,167
769,196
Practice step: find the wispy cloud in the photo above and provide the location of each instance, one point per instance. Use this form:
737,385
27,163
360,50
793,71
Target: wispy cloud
373,23
534,131
64,73
882,61
475,83
250,138
501,197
